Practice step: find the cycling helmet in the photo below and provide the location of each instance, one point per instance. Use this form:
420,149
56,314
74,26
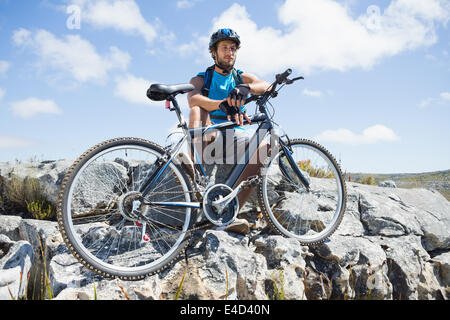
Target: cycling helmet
224,34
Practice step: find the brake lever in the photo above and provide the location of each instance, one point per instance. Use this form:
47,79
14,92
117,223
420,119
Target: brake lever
291,81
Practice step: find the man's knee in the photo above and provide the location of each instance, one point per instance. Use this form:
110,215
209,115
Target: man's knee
198,117
195,117
262,153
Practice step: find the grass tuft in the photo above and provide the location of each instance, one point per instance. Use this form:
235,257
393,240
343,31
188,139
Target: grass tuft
19,195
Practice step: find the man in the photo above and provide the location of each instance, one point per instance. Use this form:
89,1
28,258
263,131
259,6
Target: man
224,99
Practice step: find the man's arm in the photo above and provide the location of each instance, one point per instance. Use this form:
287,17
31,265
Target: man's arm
257,86
195,97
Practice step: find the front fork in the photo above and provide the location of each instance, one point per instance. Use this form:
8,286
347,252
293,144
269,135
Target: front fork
288,153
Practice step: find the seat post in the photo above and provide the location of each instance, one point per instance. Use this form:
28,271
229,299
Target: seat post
178,111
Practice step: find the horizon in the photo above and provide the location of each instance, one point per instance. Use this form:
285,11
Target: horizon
74,73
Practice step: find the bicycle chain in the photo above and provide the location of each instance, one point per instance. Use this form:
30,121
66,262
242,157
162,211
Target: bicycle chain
202,226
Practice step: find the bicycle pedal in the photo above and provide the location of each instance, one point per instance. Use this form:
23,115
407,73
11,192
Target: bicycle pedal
251,182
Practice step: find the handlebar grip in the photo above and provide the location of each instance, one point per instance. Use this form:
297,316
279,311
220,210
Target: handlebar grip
282,77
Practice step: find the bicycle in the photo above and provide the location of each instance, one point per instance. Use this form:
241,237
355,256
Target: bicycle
128,206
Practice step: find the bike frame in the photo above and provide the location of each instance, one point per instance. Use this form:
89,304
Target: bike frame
265,127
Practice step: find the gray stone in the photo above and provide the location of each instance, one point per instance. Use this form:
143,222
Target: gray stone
443,262
49,173
387,184
9,226
15,263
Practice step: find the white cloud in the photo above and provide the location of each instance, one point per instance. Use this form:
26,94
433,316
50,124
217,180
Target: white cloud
426,102
322,35
312,93
7,142
443,99
370,135
33,106
122,15
71,54
2,93
183,4
133,89
21,37
445,96
4,66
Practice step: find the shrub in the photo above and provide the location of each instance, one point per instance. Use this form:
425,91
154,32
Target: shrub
313,171
25,195
370,180
41,210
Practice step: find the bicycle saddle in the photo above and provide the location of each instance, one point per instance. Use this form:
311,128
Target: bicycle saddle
160,92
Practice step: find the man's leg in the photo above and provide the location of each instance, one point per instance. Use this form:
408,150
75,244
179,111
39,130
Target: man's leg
252,169
198,117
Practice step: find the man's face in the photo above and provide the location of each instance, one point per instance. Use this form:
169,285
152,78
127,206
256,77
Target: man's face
226,54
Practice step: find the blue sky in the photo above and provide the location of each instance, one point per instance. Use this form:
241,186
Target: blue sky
376,91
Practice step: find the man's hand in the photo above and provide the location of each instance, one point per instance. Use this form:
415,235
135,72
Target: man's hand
237,96
237,99
233,112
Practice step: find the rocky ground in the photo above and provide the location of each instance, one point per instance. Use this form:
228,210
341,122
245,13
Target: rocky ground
393,243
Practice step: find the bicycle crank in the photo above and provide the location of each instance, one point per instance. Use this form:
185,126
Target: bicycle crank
218,211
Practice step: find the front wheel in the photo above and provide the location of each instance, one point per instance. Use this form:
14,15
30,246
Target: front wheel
308,206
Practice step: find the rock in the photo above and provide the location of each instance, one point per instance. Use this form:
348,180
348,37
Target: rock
443,263
148,289
392,243
357,265
387,184
9,226
411,270
224,265
384,215
44,237
432,212
398,212
239,226
15,263
65,271
49,173
286,265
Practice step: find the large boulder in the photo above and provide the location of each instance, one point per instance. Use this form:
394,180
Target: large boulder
49,173
16,258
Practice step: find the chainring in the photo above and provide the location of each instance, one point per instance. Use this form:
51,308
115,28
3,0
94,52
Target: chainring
229,213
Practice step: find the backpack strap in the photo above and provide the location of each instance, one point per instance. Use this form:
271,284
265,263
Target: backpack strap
207,81
237,76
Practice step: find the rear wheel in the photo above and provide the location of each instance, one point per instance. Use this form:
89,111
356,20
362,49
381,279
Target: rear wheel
103,218
310,214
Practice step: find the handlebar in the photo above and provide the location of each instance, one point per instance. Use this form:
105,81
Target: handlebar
279,79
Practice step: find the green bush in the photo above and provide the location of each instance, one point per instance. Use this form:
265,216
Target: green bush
25,195
41,210
370,180
314,172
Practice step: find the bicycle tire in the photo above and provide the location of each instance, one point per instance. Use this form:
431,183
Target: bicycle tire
74,241
293,213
